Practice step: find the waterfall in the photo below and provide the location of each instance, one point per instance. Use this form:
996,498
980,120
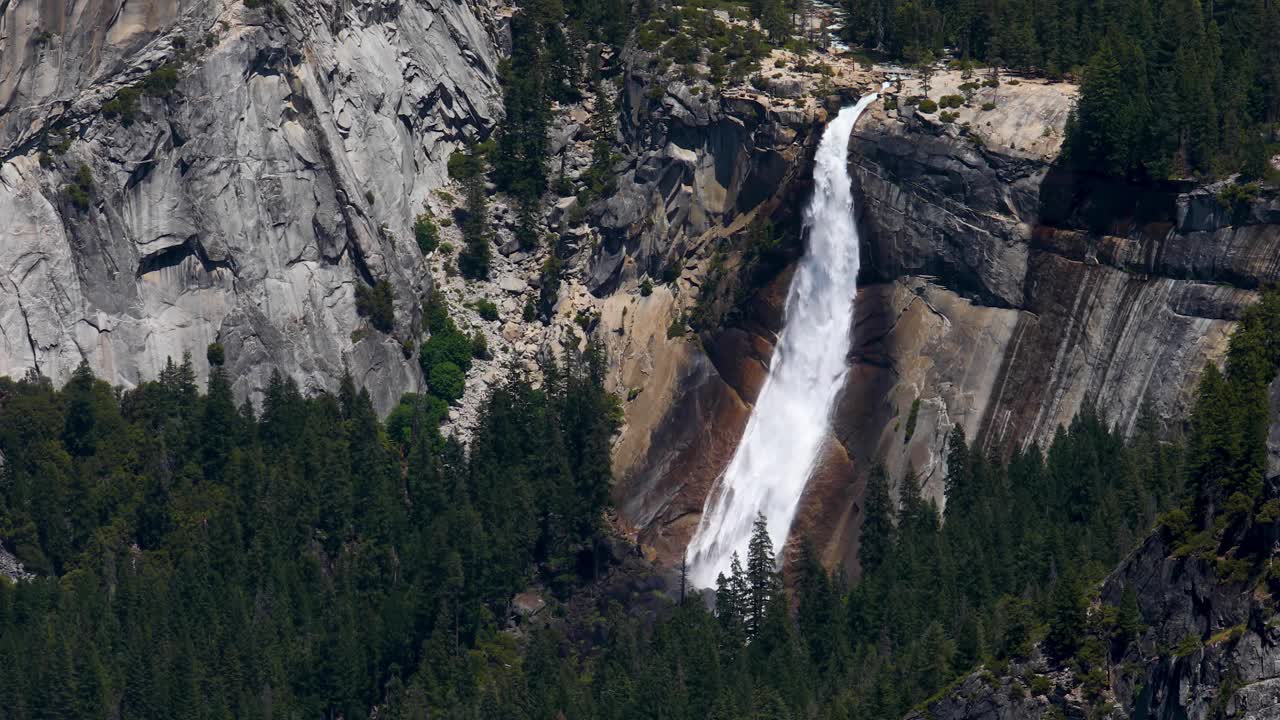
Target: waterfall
786,430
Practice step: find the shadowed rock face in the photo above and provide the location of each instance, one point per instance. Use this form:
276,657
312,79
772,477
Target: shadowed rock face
1227,662
245,205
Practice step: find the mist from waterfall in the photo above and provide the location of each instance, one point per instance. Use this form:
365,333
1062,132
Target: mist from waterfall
785,433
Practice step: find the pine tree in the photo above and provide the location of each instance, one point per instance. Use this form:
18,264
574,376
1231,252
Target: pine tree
604,130
1104,130
474,258
762,575
959,478
1066,618
733,603
876,539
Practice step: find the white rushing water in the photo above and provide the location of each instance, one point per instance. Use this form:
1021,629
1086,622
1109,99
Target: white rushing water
784,435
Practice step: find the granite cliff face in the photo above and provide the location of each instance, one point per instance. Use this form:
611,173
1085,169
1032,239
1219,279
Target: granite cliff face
998,292
243,203
1003,293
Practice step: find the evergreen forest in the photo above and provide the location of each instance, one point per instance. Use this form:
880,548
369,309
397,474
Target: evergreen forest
1170,89
200,560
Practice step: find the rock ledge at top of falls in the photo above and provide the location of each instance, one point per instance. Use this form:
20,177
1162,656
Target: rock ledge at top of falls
245,206
699,159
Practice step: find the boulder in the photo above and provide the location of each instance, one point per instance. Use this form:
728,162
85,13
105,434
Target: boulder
512,284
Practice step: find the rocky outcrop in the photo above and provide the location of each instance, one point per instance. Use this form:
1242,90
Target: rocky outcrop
11,567
243,203
1208,647
699,160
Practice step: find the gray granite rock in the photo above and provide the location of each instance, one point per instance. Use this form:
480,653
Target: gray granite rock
245,206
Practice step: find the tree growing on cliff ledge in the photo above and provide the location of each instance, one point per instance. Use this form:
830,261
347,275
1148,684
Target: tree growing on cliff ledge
477,236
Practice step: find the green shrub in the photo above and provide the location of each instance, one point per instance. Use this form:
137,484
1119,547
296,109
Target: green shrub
480,346
487,309
928,106
646,288
1228,634
447,381
463,165
216,354
676,328
1198,544
1041,685
162,81
80,190
988,106
368,196
585,319
891,102
1237,195
426,233
124,105
911,421
452,346
951,101
435,314
530,312
948,117
1176,524
405,416
376,303
1232,570
1187,645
